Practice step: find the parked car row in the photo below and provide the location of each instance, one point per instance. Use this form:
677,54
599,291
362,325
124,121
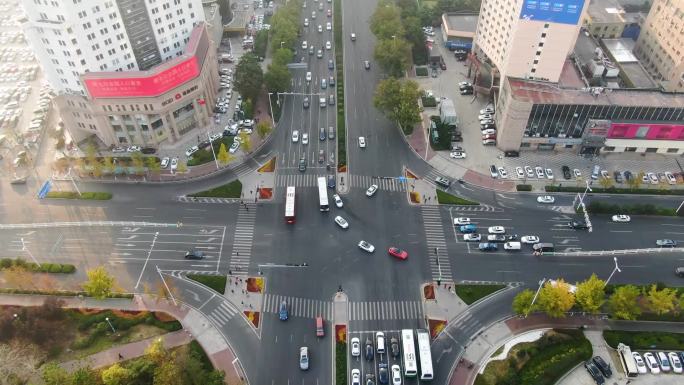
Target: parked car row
659,362
538,172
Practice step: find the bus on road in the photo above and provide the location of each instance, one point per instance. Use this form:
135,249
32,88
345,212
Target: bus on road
322,195
290,205
424,354
410,368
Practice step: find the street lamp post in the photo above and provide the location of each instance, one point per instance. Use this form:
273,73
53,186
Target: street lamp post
24,248
614,270
541,282
270,107
167,286
149,252
212,150
110,324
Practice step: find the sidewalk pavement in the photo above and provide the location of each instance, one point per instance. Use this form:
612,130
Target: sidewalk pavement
195,323
446,305
425,189
236,292
127,351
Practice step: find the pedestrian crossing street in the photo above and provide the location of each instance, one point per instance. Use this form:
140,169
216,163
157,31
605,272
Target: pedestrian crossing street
242,240
436,242
223,313
299,307
358,181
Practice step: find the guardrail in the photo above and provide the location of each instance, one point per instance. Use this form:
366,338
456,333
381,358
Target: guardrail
651,250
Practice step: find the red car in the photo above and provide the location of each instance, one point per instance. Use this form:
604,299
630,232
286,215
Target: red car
397,252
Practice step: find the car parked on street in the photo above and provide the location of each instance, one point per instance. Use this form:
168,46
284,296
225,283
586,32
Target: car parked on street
496,230
651,363
487,246
594,372
472,237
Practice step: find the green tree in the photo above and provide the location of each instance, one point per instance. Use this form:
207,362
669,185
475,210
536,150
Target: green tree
248,77
282,56
590,294
393,55
108,165
277,78
386,21
93,162
555,298
137,162
661,301
53,374
260,43
156,352
246,141
522,303
263,128
153,164
182,166
636,181
623,302
116,375
248,108
605,182
168,373
99,283
85,376
398,100
223,156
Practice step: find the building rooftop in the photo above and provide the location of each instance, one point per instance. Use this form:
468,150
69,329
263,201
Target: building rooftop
621,50
464,22
605,11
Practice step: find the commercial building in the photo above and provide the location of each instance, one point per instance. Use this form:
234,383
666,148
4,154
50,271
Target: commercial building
72,37
661,43
607,19
459,27
148,107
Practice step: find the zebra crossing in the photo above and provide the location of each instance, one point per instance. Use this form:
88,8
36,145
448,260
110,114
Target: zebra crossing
434,233
359,181
385,310
223,313
476,208
242,240
299,307
187,199
563,209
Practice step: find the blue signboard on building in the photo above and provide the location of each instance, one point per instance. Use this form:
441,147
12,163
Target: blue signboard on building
560,11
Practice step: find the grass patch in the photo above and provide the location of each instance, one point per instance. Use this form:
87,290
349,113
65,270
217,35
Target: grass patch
229,190
421,71
87,195
523,187
444,198
598,207
205,155
659,190
268,166
471,293
340,361
215,282
429,101
541,362
47,267
339,84
645,340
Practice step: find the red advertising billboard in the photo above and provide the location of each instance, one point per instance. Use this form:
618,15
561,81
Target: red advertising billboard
146,86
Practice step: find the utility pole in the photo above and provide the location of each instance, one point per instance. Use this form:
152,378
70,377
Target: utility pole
614,270
24,248
166,286
541,282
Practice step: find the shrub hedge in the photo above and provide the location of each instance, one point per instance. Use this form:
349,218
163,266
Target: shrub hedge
421,71
339,84
429,101
87,195
54,268
523,187
340,362
598,207
615,190
59,293
645,340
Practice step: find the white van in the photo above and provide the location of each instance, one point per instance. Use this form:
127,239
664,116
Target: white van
322,102
380,341
308,76
512,246
595,172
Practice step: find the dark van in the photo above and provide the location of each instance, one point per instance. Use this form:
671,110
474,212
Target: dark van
543,247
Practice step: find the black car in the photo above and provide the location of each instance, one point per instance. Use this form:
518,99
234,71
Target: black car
618,176
394,347
603,366
513,237
594,373
369,350
566,172
467,92
628,175
578,225
194,254
204,144
487,126
331,181
383,375
302,164
508,154
148,150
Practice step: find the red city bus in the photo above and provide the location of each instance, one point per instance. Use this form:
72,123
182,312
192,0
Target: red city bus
290,205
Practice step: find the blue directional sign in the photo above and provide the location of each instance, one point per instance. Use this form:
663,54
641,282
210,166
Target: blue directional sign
401,178
558,11
45,189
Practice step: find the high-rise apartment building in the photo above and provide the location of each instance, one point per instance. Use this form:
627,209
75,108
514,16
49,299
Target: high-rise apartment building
528,38
73,37
661,43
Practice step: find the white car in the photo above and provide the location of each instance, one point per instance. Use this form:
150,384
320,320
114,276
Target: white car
489,131
338,201
305,138
328,26
529,239
341,222
519,172
165,162
320,28
191,151
670,178
133,149
372,190
461,221
540,172
295,136
308,76
663,361
577,173
304,358
604,174
355,347
549,173
355,373
306,24
472,237
362,142
651,362
641,365
396,375
457,155
486,110
234,147
174,164
675,362
502,173
496,230
545,199
529,171
365,246
328,46
621,218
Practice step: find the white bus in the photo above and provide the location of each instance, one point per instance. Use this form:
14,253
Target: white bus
410,365
322,195
627,360
290,205
424,354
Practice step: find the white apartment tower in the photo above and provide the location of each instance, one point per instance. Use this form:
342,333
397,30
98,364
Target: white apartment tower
528,38
72,37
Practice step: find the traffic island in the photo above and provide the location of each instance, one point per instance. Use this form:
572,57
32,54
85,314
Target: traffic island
268,166
444,198
473,293
253,318
340,354
255,285
436,326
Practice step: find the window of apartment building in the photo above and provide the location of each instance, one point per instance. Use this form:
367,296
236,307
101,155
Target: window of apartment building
86,25
651,149
83,62
609,148
96,9
82,14
630,149
672,150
